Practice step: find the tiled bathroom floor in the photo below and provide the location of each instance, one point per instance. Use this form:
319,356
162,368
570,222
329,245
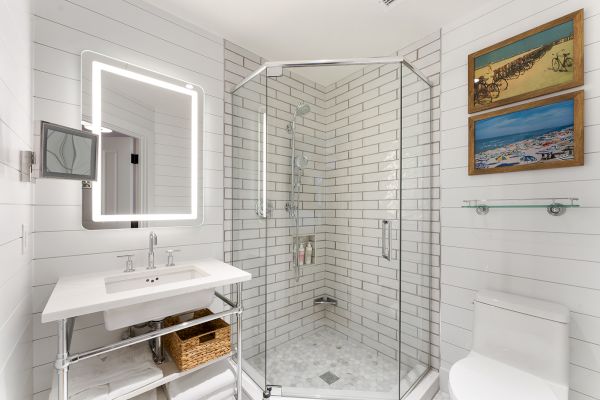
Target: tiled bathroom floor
328,359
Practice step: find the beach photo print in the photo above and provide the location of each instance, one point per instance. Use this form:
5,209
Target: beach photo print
544,60
542,134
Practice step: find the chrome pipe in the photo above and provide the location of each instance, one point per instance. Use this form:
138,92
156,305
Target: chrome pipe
225,300
238,320
148,336
62,359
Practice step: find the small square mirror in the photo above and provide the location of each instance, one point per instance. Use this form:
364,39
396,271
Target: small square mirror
68,153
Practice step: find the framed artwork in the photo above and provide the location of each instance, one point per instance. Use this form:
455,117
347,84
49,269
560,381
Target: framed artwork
543,60
68,153
542,134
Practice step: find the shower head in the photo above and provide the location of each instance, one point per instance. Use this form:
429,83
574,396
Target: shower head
301,109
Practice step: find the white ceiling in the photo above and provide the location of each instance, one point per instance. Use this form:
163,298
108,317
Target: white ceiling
319,29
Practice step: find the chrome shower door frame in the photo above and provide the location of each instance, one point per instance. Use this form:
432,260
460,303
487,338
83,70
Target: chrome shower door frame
400,61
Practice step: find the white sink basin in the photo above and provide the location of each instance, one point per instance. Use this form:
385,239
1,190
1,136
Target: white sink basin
122,317
128,298
151,278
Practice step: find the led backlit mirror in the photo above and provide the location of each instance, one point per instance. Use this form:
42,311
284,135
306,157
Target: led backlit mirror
149,129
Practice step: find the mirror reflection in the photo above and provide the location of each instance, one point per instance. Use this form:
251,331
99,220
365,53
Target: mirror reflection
150,142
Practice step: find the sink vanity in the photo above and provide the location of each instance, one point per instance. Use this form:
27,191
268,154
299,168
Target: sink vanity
129,298
149,130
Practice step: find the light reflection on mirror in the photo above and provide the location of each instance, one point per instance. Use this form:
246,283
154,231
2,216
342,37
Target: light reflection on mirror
150,138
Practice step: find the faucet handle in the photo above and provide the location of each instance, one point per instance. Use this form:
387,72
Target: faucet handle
128,263
170,258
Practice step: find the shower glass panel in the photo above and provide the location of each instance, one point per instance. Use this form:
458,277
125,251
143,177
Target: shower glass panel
248,241
419,211
347,179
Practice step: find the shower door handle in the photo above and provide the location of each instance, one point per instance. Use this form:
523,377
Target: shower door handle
386,239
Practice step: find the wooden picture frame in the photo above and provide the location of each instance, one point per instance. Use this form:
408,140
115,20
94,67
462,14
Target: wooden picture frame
542,134
543,60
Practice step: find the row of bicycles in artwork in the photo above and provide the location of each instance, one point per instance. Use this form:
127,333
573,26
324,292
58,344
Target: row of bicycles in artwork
487,89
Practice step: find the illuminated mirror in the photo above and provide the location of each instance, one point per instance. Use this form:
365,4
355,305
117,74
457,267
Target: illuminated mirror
150,136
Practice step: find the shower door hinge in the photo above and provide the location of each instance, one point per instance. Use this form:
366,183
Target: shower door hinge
271,390
274,71
264,212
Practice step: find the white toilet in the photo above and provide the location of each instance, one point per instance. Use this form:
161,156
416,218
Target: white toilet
520,351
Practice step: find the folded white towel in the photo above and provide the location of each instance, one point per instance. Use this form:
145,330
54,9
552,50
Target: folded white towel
126,370
138,377
99,392
206,382
150,395
226,394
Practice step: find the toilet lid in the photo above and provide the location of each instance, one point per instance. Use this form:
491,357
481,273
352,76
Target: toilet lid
477,377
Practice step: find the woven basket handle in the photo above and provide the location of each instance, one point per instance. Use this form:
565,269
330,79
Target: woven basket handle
206,337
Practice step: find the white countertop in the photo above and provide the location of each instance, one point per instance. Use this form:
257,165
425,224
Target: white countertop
85,294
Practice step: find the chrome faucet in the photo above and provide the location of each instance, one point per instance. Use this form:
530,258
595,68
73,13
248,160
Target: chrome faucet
153,241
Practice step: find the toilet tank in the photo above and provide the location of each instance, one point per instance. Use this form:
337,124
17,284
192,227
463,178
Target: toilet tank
526,333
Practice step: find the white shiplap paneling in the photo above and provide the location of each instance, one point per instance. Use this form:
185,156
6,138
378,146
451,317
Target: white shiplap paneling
140,34
521,251
15,201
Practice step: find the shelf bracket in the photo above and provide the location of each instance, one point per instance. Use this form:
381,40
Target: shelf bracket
556,209
482,210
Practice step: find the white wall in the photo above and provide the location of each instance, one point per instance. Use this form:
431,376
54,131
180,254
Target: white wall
134,32
522,251
15,200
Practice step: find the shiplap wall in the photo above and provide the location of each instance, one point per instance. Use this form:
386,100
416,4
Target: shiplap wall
15,201
521,251
134,32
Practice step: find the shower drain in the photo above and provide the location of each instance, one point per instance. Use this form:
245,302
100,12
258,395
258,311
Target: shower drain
329,377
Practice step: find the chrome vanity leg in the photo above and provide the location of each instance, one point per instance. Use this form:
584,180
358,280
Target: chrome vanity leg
156,344
65,332
238,318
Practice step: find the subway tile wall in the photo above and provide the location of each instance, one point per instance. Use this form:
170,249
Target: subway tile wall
248,237
350,185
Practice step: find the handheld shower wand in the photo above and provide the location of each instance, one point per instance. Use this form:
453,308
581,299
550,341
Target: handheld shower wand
299,162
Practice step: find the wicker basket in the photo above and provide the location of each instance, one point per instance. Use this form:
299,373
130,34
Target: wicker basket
199,344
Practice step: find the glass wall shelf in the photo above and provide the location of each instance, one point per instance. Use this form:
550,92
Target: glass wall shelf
555,206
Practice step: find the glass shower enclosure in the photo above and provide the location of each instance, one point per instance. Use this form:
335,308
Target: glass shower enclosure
331,212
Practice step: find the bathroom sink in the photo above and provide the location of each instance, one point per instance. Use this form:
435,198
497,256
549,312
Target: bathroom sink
152,278
129,298
122,317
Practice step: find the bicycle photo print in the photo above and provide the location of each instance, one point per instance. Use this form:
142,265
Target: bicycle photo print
541,61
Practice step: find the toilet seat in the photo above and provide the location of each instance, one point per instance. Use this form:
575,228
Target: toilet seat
477,377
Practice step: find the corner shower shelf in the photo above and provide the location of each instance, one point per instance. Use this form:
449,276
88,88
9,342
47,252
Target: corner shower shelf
555,206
